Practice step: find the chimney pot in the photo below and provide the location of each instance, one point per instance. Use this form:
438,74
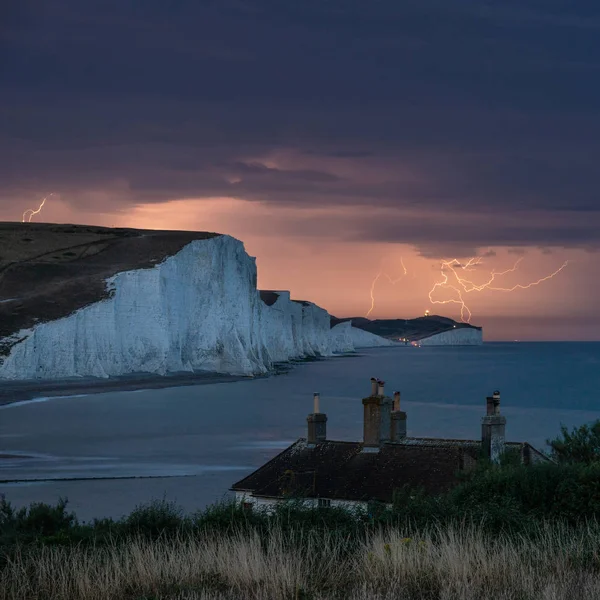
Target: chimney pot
373,386
316,407
380,386
396,405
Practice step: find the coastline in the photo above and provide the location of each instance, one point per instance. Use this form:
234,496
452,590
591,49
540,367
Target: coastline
27,390
210,429
32,389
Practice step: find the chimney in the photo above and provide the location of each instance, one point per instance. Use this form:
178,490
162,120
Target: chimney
398,431
373,386
317,423
493,427
377,417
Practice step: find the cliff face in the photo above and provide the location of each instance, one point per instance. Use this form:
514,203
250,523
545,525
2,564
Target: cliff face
364,339
291,329
198,309
454,337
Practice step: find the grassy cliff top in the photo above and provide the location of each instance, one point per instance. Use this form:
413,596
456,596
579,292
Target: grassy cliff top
48,271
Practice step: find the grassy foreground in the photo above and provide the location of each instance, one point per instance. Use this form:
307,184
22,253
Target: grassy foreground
448,564
507,532
226,553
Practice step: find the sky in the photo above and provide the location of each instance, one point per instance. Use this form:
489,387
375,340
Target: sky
354,146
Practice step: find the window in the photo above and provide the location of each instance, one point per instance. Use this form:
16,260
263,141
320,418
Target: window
324,503
247,506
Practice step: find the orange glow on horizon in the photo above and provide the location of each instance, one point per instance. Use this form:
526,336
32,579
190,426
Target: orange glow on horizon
308,251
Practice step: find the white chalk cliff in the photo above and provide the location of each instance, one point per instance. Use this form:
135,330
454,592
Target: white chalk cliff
345,338
462,336
198,310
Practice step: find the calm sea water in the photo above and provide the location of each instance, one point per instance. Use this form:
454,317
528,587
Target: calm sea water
197,441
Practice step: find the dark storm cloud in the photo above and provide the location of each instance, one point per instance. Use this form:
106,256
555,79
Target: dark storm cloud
341,153
466,237
446,235
251,169
456,109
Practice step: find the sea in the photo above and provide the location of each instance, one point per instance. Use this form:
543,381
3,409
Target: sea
108,453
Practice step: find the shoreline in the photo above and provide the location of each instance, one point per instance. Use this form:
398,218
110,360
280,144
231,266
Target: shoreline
28,390
12,392
31,390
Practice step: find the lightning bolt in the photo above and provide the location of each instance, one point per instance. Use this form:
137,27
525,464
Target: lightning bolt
30,212
392,281
373,294
463,285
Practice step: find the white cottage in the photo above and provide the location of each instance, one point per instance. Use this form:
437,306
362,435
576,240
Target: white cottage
326,472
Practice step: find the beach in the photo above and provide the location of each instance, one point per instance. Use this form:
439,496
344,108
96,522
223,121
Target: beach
23,391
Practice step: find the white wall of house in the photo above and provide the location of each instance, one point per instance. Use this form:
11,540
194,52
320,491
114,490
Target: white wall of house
269,504
256,502
348,504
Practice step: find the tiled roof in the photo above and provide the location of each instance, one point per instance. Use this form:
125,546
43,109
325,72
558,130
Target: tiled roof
341,470
473,447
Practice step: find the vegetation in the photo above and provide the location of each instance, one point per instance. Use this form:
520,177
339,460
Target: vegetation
226,552
582,445
506,531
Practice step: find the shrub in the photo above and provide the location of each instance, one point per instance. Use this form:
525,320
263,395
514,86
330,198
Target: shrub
37,522
155,519
544,491
226,516
581,445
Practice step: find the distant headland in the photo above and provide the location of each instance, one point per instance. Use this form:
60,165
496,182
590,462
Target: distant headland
427,330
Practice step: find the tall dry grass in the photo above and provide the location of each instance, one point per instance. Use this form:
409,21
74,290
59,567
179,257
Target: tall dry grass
445,564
